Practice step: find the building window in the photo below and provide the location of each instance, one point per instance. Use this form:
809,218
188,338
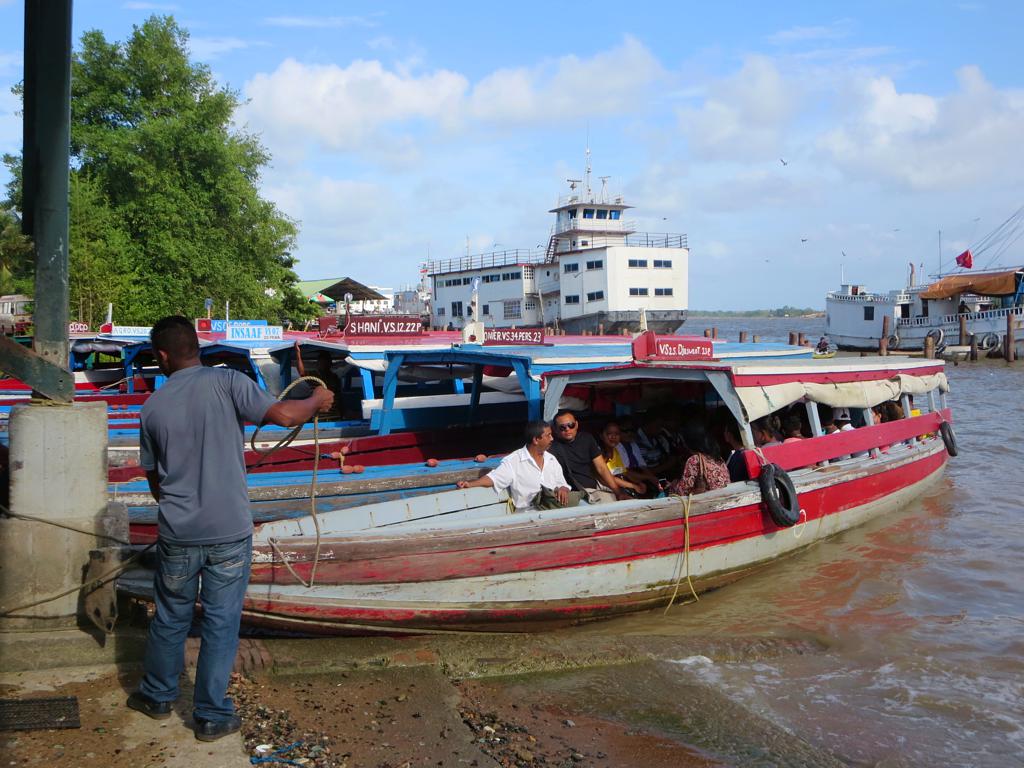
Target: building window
602,213
637,291
487,309
528,305
869,313
584,243
511,275
572,213
467,281
456,309
527,273
588,213
513,309
663,263
638,263
597,264
440,311
571,268
662,291
614,215
572,299
595,296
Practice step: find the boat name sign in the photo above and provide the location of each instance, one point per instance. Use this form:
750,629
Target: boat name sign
648,346
241,332
532,336
384,325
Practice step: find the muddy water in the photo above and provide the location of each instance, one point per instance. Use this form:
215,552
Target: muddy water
921,616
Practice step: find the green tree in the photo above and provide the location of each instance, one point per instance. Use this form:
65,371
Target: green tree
17,267
165,208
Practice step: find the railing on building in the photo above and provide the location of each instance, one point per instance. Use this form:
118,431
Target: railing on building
635,240
485,260
595,225
577,198
953,319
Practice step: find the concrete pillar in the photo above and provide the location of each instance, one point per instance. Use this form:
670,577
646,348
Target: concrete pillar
58,460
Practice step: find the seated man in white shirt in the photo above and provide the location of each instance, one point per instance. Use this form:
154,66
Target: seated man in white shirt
526,471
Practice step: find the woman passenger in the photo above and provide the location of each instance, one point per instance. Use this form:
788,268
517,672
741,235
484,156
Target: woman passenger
619,461
704,470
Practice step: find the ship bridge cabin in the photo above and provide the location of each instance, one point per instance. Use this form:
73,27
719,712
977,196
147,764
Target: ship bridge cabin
597,274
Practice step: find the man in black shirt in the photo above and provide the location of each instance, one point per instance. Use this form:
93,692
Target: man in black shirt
582,463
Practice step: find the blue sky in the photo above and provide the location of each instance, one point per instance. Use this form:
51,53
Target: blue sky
402,130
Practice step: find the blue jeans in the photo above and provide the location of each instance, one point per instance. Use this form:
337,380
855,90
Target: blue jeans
224,569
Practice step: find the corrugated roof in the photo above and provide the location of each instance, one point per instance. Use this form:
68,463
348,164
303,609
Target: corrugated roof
336,287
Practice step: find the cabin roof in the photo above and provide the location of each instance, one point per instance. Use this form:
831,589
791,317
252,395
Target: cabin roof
1004,283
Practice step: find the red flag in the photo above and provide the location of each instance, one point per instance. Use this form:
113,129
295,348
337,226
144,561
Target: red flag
965,259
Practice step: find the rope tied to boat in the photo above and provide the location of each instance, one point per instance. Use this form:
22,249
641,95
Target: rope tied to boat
685,554
284,443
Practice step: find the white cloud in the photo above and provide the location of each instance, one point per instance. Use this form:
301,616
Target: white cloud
209,48
967,137
744,116
607,83
318,22
834,31
342,107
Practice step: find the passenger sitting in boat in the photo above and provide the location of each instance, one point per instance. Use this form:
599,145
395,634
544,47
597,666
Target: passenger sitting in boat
735,463
621,464
531,475
582,462
653,445
822,347
792,427
892,411
704,470
763,434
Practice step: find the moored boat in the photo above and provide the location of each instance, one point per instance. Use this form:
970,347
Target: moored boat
462,560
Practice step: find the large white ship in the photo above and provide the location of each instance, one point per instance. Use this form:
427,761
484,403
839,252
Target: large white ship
597,274
855,318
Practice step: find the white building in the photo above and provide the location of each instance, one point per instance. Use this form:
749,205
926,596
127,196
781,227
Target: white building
597,274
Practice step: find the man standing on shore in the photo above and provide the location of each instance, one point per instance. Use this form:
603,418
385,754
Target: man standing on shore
192,448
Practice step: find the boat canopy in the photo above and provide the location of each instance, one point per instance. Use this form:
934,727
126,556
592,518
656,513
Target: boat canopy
982,284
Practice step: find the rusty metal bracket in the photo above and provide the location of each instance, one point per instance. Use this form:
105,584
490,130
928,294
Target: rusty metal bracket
46,378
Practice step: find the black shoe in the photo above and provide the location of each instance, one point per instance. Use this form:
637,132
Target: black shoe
158,710
211,730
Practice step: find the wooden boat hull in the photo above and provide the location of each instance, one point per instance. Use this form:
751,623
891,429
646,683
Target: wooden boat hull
537,570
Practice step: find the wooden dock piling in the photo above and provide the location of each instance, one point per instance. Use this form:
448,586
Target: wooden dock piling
757,339
974,348
743,337
929,347
792,338
1009,342
801,339
707,333
963,330
883,342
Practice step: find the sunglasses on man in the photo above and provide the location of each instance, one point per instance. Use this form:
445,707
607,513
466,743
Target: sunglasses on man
567,427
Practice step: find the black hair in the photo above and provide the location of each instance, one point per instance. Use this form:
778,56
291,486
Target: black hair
697,440
176,336
534,429
791,423
564,412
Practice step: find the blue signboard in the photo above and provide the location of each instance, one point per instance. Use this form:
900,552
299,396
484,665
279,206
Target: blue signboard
221,326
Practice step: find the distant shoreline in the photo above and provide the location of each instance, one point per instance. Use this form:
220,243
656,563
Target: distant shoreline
790,312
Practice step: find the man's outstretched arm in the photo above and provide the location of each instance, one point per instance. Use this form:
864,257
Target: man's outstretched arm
292,413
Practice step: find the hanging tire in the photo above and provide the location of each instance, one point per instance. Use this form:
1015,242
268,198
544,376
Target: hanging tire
989,342
893,341
949,438
779,495
938,334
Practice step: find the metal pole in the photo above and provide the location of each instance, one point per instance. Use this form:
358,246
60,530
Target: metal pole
47,136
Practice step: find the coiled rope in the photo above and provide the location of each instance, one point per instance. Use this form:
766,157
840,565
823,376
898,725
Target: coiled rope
284,443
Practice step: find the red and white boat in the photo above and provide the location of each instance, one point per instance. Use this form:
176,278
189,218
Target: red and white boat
460,560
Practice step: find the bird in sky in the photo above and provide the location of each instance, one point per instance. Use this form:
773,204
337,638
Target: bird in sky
803,239
783,161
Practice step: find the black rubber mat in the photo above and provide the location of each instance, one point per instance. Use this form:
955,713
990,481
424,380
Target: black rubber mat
39,714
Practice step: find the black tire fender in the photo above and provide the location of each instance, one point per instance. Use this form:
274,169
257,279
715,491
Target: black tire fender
989,342
938,334
779,495
949,438
893,341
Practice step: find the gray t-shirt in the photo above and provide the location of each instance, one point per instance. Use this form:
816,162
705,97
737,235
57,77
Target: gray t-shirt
192,433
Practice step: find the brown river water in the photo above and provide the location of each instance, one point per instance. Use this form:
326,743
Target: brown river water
919,617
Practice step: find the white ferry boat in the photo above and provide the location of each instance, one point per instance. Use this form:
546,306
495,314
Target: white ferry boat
598,274
855,317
